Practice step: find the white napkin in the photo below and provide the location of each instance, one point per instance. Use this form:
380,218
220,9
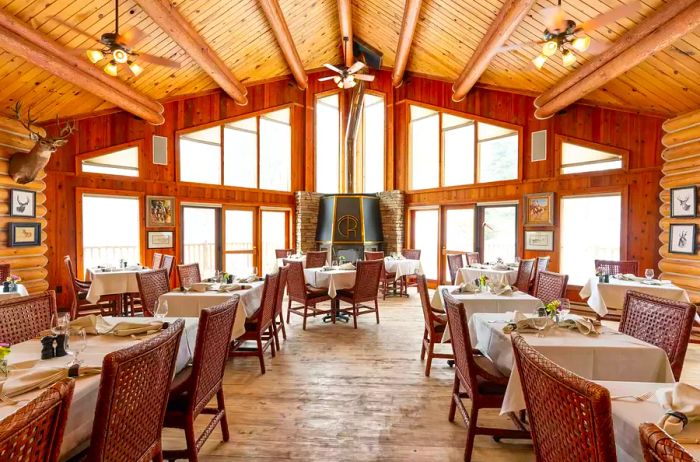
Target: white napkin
629,277
97,325
585,326
681,398
251,278
346,266
522,323
503,290
500,267
201,286
25,380
466,288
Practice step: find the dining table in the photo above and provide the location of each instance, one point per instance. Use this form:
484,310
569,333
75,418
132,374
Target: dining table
112,282
333,279
81,412
401,267
610,355
498,275
190,303
302,259
20,291
606,296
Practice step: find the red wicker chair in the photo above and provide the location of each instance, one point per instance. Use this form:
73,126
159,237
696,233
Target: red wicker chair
279,325
658,446
4,271
300,292
455,261
194,387
152,284
188,274
550,286
259,329
411,254
168,263
435,325
283,253
106,305
613,267
476,378
365,290
35,431
473,258
157,260
132,398
570,417
22,318
524,277
316,258
386,280
541,264
661,322
410,279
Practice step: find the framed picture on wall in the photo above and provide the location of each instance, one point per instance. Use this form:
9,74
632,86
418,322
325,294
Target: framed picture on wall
681,238
23,234
684,202
160,211
160,239
539,240
22,203
539,209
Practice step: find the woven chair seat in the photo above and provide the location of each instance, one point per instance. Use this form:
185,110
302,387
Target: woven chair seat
488,386
315,291
347,295
180,382
440,327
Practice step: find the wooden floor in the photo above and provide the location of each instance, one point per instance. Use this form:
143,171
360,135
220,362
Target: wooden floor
338,394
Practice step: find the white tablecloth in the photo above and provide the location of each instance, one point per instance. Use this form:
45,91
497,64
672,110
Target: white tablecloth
403,267
280,261
604,296
189,304
111,283
333,280
629,414
20,292
608,356
486,302
82,409
496,276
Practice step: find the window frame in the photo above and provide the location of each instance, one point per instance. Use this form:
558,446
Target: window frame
359,176
218,208
559,140
341,149
138,144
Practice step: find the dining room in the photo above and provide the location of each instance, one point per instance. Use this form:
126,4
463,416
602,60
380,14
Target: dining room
349,230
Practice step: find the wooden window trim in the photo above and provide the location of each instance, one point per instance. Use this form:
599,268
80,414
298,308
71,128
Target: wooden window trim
138,144
317,97
558,152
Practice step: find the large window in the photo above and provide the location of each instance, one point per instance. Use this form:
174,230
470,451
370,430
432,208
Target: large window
577,158
425,230
122,161
499,235
372,144
328,144
111,230
200,238
255,152
274,230
458,229
449,150
590,230
239,242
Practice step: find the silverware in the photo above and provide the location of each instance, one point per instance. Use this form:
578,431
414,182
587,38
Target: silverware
640,397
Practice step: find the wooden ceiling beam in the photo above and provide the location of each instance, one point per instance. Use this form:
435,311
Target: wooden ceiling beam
663,36
279,27
166,15
507,20
411,13
649,25
345,18
19,39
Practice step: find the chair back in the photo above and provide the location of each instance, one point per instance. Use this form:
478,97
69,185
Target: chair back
168,263
613,267
211,352
465,366
132,397
542,263
4,271
188,274
550,286
73,286
454,263
428,316
525,269
473,258
658,446
152,284
296,283
374,255
35,431
411,254
268,301
661,322
281,285
157,260
367,279
22,318
283,253
570,417
316,258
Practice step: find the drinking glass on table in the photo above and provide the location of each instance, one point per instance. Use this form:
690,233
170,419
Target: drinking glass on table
59,323
76,342
160,310
649,274
540,323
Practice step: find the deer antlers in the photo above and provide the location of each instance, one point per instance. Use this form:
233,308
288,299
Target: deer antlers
59,140
28,124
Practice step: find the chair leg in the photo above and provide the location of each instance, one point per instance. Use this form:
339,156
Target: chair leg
354,314
191,440
275,333
422,344
220,403
376,309
284,330
429,362
271,333
261,358
289,309
159,456
306,314
385,289
471,433
453,405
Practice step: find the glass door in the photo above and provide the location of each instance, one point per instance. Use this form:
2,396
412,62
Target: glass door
274,226
240,248
458,225
425,234
201,241
498,237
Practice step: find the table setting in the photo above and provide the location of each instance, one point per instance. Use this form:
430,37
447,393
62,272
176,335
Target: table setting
499,272
112,281
401,266
333,277
294,257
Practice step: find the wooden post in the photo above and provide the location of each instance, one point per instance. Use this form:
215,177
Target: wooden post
279,27
411,14
345,18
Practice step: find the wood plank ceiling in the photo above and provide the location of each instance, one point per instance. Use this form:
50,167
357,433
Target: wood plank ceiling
447,34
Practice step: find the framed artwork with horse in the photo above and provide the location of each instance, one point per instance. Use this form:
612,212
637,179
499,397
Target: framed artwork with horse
160,211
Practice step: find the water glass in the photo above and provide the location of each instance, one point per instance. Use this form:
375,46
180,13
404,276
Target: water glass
76,342
649,274
59,323
160,310
540,323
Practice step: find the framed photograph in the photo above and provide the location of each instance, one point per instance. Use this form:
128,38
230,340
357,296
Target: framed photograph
160,211
539,240
684,202
22,203
681,238
24,234
160,239
539,209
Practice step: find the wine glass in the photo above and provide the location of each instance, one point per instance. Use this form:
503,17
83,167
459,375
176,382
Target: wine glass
76,342
160,310
540,323
649,274
59,323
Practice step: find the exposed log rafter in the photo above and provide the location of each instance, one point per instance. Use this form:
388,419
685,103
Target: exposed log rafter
507,20
411,14
345,18
279,27
166,15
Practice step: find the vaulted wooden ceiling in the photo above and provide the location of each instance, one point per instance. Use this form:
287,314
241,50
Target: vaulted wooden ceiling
447,34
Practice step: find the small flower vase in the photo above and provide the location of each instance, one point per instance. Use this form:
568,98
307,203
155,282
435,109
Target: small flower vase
13,287
4,369
6,286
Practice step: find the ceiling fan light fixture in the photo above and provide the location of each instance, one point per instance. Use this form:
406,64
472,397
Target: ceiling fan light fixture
111,68
581,43
135,68
568,58
549,48
120,56
95,56
539,61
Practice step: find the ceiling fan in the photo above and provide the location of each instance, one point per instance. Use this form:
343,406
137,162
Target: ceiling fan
564,35
118,49
347,76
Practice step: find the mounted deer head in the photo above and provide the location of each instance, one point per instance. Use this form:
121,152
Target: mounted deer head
25,166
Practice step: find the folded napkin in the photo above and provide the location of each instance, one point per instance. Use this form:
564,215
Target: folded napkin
97,325
25,380
629,277
346,266
503,290
500,267
466,288
652,282
681,403
201,286
251,278
233,287
523,324
585,326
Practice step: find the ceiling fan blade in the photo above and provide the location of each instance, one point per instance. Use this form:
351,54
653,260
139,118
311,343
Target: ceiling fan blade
74,28
622,11
365,77
324,79
356,67
333,68
159,61
518,46
132,37
596,47
553,18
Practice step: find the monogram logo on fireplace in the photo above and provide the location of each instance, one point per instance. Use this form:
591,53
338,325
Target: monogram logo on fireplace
347,226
